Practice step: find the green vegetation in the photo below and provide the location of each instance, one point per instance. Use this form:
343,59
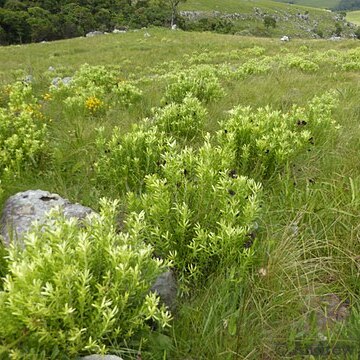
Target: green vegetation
83,294
235,6
354,17
32,21
322,4
233,159
261,18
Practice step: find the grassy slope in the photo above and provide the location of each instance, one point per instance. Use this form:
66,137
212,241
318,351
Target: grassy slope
326,210
287,20
232,6
323,4
354,17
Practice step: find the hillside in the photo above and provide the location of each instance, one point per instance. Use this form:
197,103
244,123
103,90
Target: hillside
354,17
248,18
335,5
323,4
233,159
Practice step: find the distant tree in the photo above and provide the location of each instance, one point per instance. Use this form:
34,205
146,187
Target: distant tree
174,6
104,20
15,5
76,20
269,21
338,29
15,25
41,23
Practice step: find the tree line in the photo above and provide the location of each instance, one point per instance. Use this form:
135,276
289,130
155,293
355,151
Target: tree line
45,20
348,5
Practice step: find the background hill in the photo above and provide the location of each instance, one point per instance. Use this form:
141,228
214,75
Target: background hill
326,4
323,4
263,18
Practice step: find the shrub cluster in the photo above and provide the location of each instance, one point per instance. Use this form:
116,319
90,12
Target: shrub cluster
263,140
23,132
182,120
125,159
78,290
94,89
200,82
198,212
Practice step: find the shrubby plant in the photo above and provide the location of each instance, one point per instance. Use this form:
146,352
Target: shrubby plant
200,82
262,140
93,89
127,158
254,66
76,290
181,120
254,51
94,75
199,213
125,93
20,95
298,62
23,133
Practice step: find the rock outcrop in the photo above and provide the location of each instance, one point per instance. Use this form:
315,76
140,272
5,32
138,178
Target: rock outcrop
22,209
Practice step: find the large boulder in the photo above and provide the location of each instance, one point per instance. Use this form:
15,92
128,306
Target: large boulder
23,208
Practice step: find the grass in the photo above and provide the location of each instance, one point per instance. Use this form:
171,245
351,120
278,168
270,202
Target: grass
353,16
307,243
245,6
323,4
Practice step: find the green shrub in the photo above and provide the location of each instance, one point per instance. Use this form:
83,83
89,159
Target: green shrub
269,21
22,139
184,120
254,66
78,290
198,213
94,89
20,95
126,159
263,140
201,82
297,62
98,76
125,94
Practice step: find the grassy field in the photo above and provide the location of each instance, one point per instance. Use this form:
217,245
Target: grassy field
322,4
279,293
354,17
233,6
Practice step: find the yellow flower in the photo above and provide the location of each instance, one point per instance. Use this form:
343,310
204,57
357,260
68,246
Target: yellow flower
47,97
93,104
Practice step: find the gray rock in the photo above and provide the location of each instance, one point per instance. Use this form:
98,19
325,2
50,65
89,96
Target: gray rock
118,31
101,357
22,209
165,286
94,33
61,81
29,79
